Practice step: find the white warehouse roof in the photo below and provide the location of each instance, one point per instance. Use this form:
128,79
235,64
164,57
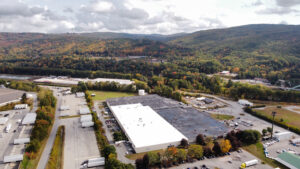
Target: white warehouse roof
29,118
146,129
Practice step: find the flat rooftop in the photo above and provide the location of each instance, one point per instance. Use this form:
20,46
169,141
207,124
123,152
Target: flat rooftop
144,127
8,95
74,81
188,120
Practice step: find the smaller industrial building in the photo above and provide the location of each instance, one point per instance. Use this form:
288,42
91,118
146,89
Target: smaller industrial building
29,119
289,160
146,129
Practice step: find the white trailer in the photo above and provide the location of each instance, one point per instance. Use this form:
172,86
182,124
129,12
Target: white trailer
249,163
13,158
283,135
8,127
86,118
3,120
87,124
94,162
21,141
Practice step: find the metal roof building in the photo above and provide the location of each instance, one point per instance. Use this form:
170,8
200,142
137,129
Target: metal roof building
146,130
290,160
29,118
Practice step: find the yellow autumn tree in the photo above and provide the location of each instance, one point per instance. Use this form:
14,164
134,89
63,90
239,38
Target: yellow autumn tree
225,145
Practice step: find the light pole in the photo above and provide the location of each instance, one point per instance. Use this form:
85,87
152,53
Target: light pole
273,114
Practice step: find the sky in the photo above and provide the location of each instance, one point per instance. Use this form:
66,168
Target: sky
142,16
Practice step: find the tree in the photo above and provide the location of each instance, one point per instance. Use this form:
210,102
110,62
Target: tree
181,155
24,98
264,132
195,151
225,145
107,150
154,158
207,151
217,148
146,161
269,129
249,136
200,140
184,143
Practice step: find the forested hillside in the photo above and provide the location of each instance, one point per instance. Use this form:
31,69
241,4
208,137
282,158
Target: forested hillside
269,51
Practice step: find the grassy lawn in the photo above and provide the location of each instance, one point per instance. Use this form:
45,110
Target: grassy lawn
289,117
222,116
57,153
258,151
141,155
103,95
67,117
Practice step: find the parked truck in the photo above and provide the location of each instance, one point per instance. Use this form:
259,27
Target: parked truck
8,127
13,158
87,124
249,163
94,162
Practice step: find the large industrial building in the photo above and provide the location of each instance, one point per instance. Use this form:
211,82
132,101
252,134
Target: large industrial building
145,129
186,119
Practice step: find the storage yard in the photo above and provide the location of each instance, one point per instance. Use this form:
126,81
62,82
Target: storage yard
80,141
189,121
14,136
9,95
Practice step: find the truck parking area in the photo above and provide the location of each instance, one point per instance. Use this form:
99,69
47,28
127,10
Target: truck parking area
227,162
16,131
80,143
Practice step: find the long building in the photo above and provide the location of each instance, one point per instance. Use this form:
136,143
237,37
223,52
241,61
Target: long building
145,129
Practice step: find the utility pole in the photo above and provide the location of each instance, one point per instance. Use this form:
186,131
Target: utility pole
273,114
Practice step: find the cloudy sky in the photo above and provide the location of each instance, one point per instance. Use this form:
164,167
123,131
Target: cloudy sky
141,16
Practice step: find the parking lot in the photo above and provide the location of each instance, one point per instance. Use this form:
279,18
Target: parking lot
17,131
232,161
80,143
8,95
74,103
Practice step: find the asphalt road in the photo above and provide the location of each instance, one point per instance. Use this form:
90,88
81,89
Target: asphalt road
47,150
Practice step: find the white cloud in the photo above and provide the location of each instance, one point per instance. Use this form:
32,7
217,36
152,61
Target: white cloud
141,16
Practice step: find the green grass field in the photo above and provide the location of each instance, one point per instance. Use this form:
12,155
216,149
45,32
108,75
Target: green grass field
288,117
222,116
56,157
103,95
